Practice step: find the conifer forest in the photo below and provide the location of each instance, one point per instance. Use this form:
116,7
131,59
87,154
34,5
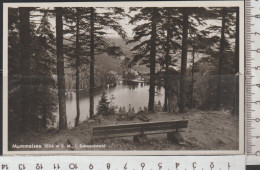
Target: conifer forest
71,69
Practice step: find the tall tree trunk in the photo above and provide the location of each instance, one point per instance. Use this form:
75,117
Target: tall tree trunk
183,60
92,64
77,68
192,76
25,40
152,62
221,56
60,70
167,61
236,96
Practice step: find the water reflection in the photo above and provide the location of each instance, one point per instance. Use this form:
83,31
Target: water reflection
136,94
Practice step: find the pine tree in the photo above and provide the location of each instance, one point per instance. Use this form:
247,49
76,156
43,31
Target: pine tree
37,85
170,34
209,43
196,39
60,70
221,56
192,18
43,70
103,105
77,47
145,51
98,43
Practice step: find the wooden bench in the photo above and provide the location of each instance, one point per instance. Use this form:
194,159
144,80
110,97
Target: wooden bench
140,130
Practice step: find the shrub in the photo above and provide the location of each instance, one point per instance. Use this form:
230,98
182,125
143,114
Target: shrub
105,107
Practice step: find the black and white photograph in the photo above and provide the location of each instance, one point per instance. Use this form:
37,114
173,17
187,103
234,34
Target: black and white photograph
124,77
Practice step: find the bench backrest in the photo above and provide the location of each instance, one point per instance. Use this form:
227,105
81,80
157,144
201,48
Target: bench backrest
138,128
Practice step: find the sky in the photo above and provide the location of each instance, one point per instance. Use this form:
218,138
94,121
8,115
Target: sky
124,23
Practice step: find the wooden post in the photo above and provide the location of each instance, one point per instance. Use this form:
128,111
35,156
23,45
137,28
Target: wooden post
176,137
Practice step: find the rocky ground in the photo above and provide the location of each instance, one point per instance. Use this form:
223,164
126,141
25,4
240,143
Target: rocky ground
209,130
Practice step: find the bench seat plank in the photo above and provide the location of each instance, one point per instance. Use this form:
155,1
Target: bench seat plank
120,126
135,134
136,129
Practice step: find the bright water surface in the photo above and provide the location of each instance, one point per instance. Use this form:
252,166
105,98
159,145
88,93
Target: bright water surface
125,94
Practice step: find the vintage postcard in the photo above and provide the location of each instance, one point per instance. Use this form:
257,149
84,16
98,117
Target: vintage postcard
124,78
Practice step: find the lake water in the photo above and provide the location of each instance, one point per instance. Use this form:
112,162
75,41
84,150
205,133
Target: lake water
124,94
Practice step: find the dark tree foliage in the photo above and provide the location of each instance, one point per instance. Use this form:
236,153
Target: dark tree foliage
218,62
43,70
14,73
104,107
168,42
32,93
222,51
25,42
